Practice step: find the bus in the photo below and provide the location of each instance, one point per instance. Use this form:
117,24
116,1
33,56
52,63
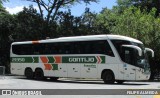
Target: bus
112,58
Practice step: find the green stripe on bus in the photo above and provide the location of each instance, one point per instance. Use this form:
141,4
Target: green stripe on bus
54,66
65,59
82,59
103,59
24,59
51,59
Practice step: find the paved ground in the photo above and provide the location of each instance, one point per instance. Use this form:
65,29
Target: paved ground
17,82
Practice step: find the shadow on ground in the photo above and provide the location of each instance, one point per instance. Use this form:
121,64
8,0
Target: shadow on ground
85,81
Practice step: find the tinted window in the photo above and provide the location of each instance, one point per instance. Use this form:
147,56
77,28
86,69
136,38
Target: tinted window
118,45
27,49
127,55
78,47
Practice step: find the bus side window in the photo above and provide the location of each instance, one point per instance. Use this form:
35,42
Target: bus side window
100,47
85,47
54,48
66,48
103,47
16,49
75,48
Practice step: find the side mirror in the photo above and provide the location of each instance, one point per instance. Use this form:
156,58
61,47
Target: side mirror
148,49
134,47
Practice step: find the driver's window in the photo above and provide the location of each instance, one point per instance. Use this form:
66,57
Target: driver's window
128,56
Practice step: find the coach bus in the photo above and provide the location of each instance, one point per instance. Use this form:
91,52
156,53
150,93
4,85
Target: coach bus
112,58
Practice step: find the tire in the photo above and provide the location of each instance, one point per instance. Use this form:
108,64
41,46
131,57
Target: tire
54,78
29,73
39,75
120,81
108,77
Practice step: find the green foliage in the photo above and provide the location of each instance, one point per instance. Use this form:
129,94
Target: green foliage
142,4
6,27
70,25
131,22
28,23
52,6
2,9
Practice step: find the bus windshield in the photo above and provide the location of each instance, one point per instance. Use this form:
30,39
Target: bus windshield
142,61
135,59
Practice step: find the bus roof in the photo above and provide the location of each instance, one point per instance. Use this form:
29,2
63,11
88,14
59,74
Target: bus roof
82,38
120,37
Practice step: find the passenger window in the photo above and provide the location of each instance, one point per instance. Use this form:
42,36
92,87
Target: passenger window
77,47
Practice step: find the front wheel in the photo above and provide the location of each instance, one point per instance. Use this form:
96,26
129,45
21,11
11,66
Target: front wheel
108,77
54,78
120,81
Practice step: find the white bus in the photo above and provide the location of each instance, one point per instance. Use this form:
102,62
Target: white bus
108,57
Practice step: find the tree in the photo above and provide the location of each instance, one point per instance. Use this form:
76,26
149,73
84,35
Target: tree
28,25
1,1
6,27
105,21
143,4
52,6
87,21
2,9
149,4
123,4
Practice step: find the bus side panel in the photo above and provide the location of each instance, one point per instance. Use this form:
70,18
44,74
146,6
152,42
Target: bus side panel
112,67
59,71
19,68
113,64
16,69
89,70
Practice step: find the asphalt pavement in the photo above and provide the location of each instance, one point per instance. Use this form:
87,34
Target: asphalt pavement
79,88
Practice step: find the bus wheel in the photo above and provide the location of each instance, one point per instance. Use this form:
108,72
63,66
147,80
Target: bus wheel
120,81
108,77
54,78
39,75
29,73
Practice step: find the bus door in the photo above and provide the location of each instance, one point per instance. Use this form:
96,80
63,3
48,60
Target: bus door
129,62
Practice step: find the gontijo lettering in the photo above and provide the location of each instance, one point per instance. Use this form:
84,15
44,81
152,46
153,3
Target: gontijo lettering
91,60
83,59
